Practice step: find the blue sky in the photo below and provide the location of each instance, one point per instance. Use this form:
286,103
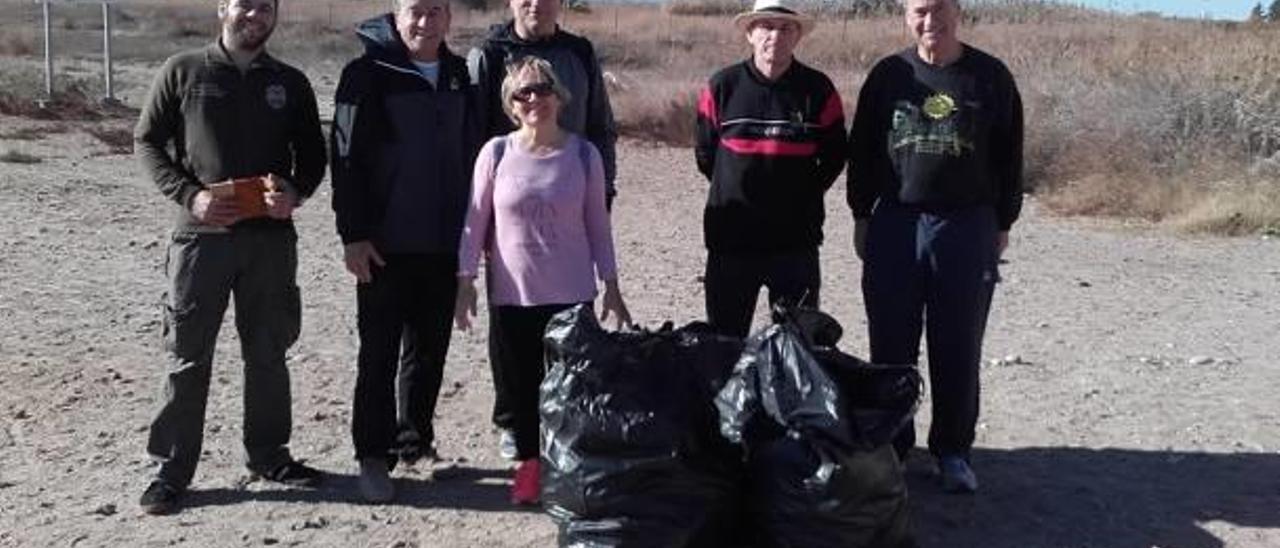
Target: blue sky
1217,9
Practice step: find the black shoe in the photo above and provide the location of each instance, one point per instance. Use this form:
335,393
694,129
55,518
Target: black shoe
296,474
160,498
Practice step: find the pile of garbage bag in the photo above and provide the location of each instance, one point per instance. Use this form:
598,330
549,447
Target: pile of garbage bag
684,438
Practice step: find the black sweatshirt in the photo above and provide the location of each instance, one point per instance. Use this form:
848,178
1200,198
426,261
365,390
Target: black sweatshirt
771,150
938,138
205,122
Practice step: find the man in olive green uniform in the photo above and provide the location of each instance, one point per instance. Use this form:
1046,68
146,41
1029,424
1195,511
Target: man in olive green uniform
229,111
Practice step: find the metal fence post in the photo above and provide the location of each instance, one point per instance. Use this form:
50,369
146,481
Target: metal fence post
106,52
48,52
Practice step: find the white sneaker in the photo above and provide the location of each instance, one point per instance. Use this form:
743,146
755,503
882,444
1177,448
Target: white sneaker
507,443
375,482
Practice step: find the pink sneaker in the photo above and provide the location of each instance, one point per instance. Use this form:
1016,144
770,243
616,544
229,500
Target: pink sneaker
527,488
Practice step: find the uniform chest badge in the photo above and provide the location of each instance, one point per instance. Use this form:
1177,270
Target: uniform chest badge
939,106
276,97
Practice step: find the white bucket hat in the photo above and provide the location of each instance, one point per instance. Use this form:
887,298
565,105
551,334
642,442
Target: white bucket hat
774,9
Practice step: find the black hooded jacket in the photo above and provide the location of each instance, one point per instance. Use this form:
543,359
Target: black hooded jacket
587,113
402,148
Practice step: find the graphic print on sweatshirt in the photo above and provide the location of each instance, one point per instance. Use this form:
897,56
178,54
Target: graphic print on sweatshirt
938,126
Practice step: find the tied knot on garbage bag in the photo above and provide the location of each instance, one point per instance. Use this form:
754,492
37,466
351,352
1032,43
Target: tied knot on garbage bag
815,424
792,378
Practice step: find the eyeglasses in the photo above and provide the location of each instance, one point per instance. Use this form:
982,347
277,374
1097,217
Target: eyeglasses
525,94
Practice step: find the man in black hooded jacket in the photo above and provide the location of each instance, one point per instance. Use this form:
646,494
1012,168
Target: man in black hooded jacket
404,137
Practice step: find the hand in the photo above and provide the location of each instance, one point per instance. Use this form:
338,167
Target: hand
612,303
360,257
464,306
860,238
212,210
1002,243
281,198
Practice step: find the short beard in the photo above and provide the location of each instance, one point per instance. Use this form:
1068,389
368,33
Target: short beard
241,39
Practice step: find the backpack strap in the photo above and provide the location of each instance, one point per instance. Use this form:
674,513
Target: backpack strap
584,154
499,147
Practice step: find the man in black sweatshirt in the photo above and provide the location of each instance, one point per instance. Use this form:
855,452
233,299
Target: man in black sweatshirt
229,111
935,183
770,139
404,136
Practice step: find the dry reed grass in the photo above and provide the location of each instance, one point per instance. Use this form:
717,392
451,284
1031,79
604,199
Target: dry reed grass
1126,116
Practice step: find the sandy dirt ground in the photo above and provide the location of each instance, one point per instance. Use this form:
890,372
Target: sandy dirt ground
1130,387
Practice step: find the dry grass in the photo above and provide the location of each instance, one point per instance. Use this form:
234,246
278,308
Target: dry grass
1126,116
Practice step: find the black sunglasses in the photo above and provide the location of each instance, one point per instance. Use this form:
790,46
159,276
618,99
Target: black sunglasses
526,93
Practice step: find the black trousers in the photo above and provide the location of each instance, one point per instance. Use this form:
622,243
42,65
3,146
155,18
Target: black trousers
503,416
933,272
517,334
410,301
733,282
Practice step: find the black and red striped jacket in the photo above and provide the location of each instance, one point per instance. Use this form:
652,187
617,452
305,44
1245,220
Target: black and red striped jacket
771,149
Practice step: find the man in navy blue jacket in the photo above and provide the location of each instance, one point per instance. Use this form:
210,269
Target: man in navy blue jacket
771,141
404,136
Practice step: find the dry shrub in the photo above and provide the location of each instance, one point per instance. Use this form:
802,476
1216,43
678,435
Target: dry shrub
177,21
18,157
17,42
119,140
69,104
663,114
34,133
705,7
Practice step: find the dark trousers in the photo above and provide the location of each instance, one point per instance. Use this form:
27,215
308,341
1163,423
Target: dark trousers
258,266
520,353
410,302
733,281
502,415
933,272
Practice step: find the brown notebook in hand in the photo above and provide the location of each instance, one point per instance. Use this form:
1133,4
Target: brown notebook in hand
248,193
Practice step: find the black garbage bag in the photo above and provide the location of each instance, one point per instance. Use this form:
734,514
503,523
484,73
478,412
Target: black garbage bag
805,497
879,399
813,482
631,456
778,386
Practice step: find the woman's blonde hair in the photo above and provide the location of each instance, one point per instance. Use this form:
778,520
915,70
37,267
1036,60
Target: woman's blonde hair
545,73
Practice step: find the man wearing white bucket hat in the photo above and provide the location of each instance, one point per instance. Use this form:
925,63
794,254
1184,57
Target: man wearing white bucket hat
935,183
770,139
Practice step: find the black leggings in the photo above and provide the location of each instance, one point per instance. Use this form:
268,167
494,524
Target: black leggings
516,332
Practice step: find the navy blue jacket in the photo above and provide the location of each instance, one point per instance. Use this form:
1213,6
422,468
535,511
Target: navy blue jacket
402,148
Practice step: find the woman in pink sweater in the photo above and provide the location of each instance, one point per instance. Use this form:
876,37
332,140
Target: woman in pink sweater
538,215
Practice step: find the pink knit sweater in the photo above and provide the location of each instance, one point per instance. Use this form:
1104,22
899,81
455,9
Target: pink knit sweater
542,224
